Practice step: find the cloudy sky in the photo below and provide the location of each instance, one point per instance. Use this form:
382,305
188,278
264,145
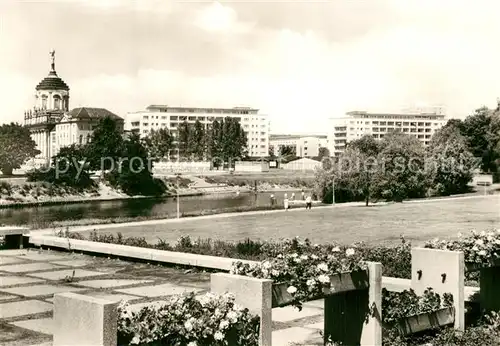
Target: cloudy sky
301,62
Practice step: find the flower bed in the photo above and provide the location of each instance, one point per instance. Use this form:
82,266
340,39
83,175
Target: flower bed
408,313
480,249
209,320
299,277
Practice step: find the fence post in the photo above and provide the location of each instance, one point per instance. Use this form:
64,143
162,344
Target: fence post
251,293
84,321
443,271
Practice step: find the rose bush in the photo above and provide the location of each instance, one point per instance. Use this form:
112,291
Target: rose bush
306,273
209,320
481,248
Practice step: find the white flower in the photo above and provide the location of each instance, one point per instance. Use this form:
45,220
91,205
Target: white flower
480,242
232,316
192,343
349,252
291,289
336,249
482,253
218,336
490,238
304,257
266,265
297,260
188,325
280,256
223,324
314,257
322,267
275,272
324,279
310,282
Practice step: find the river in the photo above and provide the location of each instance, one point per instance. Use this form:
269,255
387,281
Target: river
153,208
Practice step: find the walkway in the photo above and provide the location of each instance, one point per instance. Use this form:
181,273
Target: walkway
30,278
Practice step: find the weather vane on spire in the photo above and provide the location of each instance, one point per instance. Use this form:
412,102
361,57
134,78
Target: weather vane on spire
53,58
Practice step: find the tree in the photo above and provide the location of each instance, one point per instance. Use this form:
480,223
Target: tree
323,152
287,150
452,162
270,151
198,141
185,139
16,147
159,143
367,145
134,174
400,170
106,145
226,141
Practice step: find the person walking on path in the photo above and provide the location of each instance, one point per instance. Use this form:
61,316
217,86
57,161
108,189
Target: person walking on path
293,196
303,195
308,202
285,202
272,199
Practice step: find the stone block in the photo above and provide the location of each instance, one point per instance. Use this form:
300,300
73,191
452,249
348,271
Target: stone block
251,293
43,256
61,274
443,271
39,290
23,308
296,336
112,297
73,263
9,260
84,321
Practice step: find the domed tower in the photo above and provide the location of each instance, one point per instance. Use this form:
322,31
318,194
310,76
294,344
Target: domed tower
51,102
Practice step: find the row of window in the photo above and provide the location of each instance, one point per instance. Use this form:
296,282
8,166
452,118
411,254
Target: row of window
391,123
186,118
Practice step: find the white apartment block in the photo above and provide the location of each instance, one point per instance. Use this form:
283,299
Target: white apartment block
305,145
255,125
420,123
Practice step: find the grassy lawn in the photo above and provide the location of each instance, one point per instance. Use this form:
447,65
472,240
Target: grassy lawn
417,221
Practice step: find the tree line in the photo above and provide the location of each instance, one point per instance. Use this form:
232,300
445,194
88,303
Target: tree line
400,167
224,140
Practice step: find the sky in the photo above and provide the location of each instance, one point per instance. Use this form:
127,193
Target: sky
300,62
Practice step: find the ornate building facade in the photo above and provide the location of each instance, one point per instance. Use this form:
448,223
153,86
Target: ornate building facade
51,123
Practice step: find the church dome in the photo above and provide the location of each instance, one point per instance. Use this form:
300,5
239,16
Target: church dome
52,82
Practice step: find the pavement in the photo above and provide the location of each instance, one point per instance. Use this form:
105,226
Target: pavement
29,278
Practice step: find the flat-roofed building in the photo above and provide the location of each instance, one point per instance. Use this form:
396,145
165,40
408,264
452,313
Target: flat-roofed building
306,145
420,123
255,125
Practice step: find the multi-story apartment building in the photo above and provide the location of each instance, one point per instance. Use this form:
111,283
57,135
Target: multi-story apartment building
255,125
52,125
306,145
420,123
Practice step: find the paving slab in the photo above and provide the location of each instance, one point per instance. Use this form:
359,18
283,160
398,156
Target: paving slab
41,325
43,256
17,280
6,297
111,283
61,274
22,308
318,325
29,267
296,335
319,303
112,297
40,290
14,252
73,263
158,290
290,313
9,260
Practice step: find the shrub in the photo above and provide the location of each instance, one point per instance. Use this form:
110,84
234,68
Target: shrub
210,320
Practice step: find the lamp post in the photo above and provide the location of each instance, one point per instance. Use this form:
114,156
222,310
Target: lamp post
178,202
333,191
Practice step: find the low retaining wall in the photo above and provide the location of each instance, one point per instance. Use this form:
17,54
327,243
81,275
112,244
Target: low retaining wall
182,258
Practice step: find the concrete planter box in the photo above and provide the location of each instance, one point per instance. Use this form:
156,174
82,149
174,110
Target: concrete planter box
426,321
339,283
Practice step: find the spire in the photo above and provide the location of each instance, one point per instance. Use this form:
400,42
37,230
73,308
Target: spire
52,58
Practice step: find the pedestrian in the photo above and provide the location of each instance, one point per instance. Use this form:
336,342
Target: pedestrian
303,195
272,200
308,202
293,196
285,202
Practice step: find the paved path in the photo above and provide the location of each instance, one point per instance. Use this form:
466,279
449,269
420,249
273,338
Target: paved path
29,279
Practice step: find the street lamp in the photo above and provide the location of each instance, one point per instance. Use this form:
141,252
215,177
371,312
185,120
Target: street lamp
178,175
333,190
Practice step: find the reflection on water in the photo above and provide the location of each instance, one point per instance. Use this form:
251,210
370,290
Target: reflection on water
135,208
